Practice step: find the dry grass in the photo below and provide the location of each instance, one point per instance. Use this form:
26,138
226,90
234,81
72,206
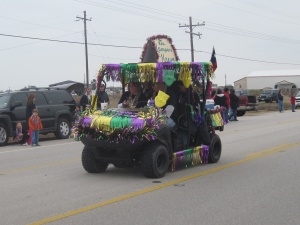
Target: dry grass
262,106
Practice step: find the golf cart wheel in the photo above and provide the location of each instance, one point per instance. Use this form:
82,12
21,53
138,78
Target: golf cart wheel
155,161
90,163
215,149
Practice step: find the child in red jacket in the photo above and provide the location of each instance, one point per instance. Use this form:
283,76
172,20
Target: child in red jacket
293,102
35,124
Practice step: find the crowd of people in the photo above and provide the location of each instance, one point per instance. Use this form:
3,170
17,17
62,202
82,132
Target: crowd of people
227,100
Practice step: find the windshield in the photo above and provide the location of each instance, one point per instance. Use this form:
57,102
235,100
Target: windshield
298,94
268,91
4,99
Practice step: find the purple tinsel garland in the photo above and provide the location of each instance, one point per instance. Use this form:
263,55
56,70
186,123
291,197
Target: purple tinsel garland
196,70
204,153
159,72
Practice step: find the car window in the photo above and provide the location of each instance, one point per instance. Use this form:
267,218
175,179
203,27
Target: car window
20,97
40,99
4,100
59,97
298,94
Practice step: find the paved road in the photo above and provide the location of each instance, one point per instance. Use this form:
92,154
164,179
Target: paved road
256,181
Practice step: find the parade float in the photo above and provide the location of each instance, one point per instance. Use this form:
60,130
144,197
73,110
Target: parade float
126,137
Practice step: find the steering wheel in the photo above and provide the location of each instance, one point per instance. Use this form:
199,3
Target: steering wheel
183,122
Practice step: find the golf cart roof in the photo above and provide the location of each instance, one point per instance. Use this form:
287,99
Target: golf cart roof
155,72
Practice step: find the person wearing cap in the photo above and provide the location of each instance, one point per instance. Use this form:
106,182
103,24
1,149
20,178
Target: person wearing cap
102,96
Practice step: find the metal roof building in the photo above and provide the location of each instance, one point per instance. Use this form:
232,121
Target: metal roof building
269,79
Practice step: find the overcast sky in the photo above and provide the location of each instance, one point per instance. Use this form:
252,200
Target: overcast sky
248,35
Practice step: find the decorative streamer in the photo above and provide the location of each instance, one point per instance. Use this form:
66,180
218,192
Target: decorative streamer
190,157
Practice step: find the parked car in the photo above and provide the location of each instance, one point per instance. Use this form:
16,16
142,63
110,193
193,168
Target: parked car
297,100
56,108
268,96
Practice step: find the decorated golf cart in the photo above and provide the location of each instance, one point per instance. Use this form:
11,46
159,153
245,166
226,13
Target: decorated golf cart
125,137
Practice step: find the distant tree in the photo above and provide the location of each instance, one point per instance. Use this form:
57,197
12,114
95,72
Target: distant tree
294,86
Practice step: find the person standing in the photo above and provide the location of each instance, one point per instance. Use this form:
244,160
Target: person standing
102,96
226,112
21,135
293,102
29,108
220,99
35,125
86,99
234,104
280,101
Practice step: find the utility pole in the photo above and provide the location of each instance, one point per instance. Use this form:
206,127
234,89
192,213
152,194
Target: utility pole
191,26
225,80
85,43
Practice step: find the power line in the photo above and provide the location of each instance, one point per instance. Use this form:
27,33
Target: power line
127,11
69,42
224,28
253,60
192,26
134,47
219,3
262,7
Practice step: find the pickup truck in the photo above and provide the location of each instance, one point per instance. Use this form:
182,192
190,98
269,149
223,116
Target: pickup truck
247,103
268,96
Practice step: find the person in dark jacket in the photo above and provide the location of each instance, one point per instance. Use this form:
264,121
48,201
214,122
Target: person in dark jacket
280,101
220,99
102,96
226,93
86,100
234,104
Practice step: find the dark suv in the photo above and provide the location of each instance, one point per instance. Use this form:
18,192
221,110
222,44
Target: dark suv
56,108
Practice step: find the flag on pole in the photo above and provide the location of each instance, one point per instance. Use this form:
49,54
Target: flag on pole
213,60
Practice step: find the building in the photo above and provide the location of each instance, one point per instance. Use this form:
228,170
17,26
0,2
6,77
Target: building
273,79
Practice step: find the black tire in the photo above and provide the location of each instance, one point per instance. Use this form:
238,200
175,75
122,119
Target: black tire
90,163
63,129
3,134
241,113
215,149
155,161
